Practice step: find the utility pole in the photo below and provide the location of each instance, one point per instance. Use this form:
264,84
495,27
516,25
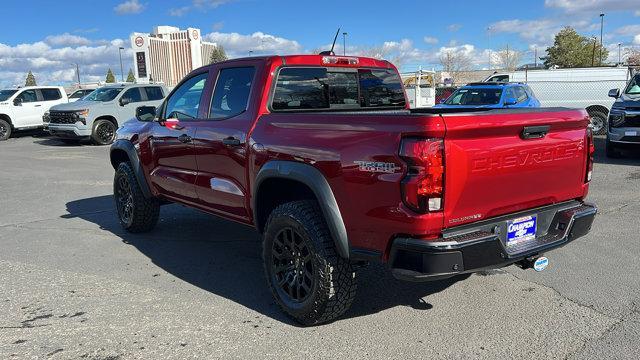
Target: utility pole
535,56
121,68
619,57
77,73
601,27
344,43
593,55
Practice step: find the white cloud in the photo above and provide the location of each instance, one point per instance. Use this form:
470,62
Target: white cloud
217,26
129,7
636,39
533,30
52,61
239,45
181,11
454,27
202,5
430,40
595,6
66,39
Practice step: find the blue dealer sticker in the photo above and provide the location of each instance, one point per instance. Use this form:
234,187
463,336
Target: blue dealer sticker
521,229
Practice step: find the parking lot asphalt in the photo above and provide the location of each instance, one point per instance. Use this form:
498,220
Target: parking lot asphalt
74,285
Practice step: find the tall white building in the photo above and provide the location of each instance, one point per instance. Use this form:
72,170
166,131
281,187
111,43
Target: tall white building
167,54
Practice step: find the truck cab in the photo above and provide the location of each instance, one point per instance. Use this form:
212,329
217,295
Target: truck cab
623,127
23,108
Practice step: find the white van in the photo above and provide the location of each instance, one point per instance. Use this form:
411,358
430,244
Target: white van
585,88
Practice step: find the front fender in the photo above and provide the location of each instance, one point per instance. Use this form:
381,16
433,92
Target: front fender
121,146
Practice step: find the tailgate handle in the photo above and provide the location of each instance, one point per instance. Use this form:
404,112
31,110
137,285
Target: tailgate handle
535,132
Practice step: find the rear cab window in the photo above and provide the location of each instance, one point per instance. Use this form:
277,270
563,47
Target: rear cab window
320,88
51,94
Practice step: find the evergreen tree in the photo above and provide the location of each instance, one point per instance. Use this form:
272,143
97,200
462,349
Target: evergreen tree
31,80
218,55
110,77
131,78
571,49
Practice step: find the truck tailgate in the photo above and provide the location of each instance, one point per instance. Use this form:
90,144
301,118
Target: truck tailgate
493,169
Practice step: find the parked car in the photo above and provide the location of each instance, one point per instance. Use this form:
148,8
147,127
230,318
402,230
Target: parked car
584,88
323,157
23,108
78,94
98,115
491,95
624,119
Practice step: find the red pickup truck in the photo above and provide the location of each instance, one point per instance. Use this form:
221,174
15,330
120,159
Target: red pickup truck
322,155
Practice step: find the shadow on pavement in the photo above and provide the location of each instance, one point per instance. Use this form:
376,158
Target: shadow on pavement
630,156
224,258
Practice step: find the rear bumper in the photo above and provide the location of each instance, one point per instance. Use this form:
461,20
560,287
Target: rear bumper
480,246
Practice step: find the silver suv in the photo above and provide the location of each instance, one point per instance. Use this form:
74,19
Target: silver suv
98,115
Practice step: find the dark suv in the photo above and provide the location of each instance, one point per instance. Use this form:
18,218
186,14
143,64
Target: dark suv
624,118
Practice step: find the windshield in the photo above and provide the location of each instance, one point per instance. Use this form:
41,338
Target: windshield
103,94
5,94
79,93
634,86
475,96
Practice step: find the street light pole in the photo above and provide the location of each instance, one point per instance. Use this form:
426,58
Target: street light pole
601,27
121,68
619,58
77,73
344,43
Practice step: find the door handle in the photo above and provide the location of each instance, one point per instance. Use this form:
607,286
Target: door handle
184,138
37,105
535,132
231,141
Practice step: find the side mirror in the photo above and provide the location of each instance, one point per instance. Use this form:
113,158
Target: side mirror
17,102
614,93
145,113
125,101
510,101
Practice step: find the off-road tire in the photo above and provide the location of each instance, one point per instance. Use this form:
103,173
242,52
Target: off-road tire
100,138
333,280
136,213
5,130
600,118
611,151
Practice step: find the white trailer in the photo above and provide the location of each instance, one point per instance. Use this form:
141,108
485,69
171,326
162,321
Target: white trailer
585,88
420,87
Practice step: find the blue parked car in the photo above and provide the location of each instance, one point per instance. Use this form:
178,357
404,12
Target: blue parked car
493,95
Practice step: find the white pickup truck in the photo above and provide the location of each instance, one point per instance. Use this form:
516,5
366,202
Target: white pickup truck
23,108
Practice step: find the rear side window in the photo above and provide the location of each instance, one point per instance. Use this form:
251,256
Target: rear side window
521,95
133,94
50,94
321,88
231,94
154,93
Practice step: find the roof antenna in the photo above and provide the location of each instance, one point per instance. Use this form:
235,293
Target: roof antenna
330,52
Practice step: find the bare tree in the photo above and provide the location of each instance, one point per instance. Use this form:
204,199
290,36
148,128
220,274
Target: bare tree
508,58
633,56
380,52
454,62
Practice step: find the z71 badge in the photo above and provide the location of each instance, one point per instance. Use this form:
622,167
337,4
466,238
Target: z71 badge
377,166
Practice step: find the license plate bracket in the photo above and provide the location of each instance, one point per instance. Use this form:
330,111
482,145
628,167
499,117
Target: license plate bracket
521,230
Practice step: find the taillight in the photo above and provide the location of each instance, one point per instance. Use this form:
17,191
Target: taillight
591,148
423,186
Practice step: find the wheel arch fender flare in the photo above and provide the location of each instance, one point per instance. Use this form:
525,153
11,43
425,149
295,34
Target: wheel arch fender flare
123,146
315,180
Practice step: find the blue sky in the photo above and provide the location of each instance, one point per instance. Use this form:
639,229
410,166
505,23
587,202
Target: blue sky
411,33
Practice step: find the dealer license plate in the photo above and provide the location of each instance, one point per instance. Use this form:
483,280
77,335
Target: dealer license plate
521,229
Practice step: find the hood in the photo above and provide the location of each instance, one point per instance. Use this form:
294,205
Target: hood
78,105
627,100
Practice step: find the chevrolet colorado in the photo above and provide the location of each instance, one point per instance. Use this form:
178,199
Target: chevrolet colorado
322,155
